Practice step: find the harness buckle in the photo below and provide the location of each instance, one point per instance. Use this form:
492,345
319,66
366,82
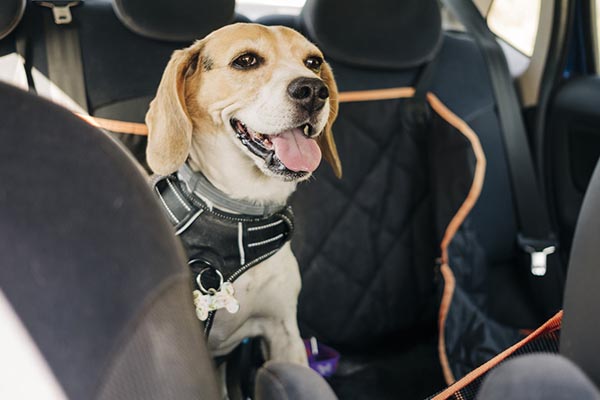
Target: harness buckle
539,250
61,10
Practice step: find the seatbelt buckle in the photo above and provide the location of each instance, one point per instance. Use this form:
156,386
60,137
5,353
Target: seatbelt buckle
61,10
539,250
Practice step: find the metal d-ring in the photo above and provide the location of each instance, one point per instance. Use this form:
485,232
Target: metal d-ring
210,290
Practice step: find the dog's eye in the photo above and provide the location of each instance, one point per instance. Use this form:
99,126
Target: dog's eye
313,63
247,60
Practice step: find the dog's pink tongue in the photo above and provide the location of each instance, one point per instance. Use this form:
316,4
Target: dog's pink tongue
296,151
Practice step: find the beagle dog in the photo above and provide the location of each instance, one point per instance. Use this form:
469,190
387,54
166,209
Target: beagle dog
251,108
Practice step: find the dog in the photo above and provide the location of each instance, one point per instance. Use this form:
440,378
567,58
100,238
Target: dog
251,108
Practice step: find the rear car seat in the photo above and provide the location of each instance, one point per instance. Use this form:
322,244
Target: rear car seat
533,368
373,260
125,46
369,270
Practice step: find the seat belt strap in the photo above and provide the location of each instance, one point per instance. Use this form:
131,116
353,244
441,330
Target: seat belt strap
63,51
23,48
536,236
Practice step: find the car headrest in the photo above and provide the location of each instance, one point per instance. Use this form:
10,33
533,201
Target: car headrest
177,21
389,34
11,12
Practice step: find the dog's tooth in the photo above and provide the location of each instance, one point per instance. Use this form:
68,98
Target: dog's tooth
307,130
269,158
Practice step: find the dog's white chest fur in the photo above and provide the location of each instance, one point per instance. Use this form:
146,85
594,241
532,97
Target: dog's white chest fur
271,288
251,107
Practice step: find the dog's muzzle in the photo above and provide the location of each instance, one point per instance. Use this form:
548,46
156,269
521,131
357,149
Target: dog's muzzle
292,154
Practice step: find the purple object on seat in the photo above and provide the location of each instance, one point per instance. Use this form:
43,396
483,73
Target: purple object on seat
324,361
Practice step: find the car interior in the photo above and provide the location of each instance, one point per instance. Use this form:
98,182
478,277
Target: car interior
467,215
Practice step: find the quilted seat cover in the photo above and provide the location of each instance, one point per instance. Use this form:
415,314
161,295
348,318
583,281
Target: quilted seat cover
390,250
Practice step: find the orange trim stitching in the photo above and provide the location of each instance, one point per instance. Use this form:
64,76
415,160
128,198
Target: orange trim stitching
449,285
377,94
456,222
478,177
113,125
135,128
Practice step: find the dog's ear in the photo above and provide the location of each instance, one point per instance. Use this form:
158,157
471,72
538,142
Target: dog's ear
325,140
168,120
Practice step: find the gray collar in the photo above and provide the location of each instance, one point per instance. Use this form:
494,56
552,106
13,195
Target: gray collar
198,184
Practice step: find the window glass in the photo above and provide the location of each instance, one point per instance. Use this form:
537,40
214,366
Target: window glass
596,24
515,22
257,8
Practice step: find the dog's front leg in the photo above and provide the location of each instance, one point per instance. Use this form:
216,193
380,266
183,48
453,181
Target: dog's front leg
284,342
274,303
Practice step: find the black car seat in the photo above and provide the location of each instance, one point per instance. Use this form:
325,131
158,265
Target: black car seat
369,271
89,264
125,46
94,288
580,332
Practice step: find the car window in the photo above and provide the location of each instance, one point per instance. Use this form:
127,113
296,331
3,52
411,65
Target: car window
515,22
257,8
596,26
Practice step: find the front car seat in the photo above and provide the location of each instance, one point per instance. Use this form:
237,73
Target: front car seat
390,261
580,332
90,266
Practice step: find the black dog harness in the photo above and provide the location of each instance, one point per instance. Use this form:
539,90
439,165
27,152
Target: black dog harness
220,245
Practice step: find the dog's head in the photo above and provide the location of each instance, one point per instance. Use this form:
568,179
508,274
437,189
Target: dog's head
266,92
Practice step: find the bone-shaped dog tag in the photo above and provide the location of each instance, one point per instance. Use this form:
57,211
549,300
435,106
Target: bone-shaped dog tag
224,298
214,299
202,305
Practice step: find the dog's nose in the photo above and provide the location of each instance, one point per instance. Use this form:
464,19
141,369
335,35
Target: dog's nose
310,93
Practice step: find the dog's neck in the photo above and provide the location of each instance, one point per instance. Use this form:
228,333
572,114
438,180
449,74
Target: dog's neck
234,173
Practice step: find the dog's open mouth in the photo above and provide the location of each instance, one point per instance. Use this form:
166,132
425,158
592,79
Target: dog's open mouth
291,153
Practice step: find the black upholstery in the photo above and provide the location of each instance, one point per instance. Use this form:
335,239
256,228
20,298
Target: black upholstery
185,20
371,260
90,264
580,332
131,64
474,103
11,12
123,57
390,34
